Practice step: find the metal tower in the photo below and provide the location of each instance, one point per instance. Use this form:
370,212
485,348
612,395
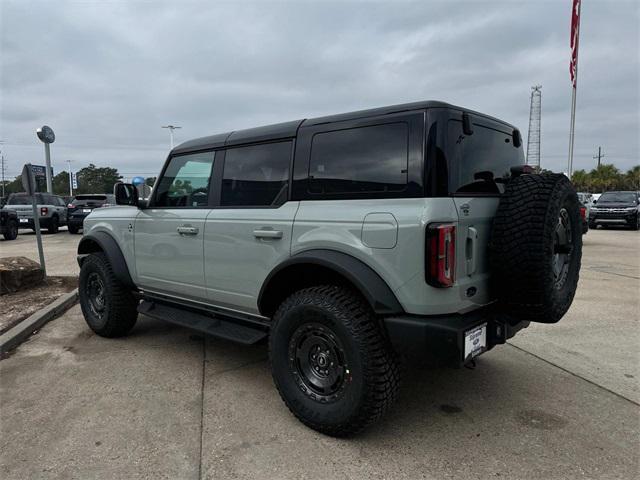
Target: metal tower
533,139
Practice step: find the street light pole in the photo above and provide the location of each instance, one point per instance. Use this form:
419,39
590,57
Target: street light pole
46,136
171,128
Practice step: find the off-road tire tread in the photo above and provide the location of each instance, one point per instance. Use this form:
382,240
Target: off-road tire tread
519,249
122,310
381,370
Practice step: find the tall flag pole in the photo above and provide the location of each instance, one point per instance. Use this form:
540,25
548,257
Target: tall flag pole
573,71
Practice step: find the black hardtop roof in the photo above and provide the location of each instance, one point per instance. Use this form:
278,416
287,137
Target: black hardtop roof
289,129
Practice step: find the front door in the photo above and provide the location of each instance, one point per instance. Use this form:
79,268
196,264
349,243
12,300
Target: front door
249,233
169,233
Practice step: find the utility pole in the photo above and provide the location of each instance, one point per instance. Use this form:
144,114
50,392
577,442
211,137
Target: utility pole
535,121
70,181
599,156
171,129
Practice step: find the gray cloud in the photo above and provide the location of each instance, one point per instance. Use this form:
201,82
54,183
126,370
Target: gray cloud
107,74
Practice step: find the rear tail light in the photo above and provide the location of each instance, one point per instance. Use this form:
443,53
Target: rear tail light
44,211
583,213
441,255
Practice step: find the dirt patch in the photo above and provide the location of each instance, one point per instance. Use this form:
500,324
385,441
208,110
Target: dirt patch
19,305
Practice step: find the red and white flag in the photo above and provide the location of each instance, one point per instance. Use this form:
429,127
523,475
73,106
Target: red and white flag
575,36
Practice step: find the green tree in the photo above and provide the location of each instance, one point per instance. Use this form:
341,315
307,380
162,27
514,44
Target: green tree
581,180
632,179
94,179
61,183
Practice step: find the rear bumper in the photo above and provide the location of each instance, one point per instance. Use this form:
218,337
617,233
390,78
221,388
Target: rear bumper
440,339
44,223
76,221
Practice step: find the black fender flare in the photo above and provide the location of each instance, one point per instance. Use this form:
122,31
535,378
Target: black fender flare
109,246
366,280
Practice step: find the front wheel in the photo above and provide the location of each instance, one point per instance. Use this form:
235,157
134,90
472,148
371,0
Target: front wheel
11,232
72,229
330,362
636,224
109,308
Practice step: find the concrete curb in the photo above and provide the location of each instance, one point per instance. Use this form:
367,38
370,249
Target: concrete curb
23,330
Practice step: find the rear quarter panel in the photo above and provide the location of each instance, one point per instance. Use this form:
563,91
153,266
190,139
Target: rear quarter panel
338,225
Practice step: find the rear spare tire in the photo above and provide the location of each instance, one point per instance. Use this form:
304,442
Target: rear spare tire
536,248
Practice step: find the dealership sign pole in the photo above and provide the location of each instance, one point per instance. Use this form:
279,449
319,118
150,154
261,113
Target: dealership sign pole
29,184
46,135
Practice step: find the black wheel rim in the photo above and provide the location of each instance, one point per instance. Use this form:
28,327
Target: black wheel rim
318,362
562,248
95,294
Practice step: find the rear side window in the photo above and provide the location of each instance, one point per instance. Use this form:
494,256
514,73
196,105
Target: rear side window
360,160
257,175
185,182
480,162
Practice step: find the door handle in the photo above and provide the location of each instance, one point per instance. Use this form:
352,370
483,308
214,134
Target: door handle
187,230
471,246
266,233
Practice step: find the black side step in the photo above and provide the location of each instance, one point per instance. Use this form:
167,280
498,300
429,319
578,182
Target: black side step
213,324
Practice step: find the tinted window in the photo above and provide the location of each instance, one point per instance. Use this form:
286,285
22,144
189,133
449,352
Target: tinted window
90,200
364,159
481,162
257,175
19,200
185,182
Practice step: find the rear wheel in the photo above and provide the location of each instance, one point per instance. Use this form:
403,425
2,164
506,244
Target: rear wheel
109,308
330,362
11,231
54,225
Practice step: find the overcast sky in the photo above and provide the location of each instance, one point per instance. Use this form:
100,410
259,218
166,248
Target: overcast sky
106,74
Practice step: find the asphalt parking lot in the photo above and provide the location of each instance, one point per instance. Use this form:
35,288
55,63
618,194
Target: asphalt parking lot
561,401
59,250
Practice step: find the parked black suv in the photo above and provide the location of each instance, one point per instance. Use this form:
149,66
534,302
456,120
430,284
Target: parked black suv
616,208
83,205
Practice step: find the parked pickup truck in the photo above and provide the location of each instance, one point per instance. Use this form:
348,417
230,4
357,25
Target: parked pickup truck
350,243
52,210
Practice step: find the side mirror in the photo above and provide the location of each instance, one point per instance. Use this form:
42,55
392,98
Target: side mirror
126,194
595,201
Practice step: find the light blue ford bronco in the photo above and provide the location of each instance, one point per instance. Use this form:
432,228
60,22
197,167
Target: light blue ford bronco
349,243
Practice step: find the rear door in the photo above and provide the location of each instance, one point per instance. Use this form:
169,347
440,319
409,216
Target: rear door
249,232
169,234
478,166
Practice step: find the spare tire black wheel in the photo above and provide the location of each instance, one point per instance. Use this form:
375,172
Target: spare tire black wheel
536,248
